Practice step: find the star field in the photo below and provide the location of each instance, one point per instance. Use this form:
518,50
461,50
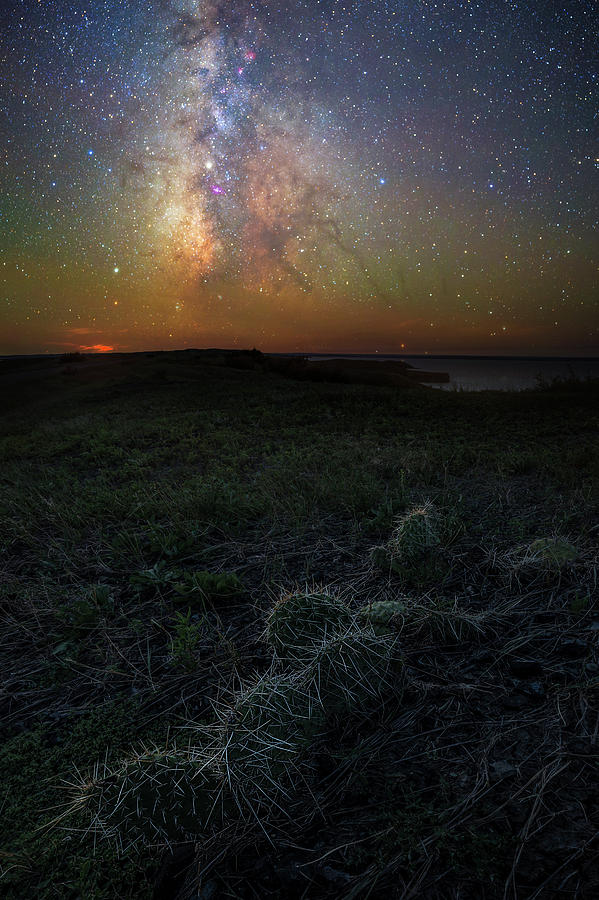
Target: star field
333,175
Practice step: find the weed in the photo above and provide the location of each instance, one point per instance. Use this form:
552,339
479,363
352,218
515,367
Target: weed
185,641
387,510
83,614
580,602
199,588
157,577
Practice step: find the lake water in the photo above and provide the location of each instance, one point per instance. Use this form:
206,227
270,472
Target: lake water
466,373
488,373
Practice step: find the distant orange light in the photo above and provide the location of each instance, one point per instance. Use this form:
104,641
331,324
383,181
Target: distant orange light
98,348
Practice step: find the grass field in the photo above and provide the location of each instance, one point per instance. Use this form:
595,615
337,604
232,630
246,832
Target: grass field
320,640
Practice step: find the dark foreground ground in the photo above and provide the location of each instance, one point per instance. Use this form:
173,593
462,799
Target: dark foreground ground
153,511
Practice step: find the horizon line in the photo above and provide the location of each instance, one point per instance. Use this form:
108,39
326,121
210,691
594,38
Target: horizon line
338,353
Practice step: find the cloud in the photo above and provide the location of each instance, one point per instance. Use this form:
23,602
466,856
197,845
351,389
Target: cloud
98,348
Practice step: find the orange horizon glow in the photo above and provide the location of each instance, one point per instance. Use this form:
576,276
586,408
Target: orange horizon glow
98,348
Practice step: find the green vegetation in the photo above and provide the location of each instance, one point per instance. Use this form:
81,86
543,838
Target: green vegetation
358,623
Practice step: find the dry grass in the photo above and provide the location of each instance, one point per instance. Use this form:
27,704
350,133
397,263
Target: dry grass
330,728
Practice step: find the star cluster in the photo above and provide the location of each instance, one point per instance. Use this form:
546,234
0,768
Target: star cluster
306,175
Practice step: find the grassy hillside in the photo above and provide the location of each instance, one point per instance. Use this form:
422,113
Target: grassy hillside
323,640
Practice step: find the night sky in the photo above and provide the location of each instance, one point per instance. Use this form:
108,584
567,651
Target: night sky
344,175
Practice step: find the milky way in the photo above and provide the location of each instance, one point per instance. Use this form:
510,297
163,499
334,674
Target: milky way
307,175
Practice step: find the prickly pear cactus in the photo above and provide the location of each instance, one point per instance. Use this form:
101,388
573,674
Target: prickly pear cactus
299,622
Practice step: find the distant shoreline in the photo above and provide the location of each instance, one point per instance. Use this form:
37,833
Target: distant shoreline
321,355
441,356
